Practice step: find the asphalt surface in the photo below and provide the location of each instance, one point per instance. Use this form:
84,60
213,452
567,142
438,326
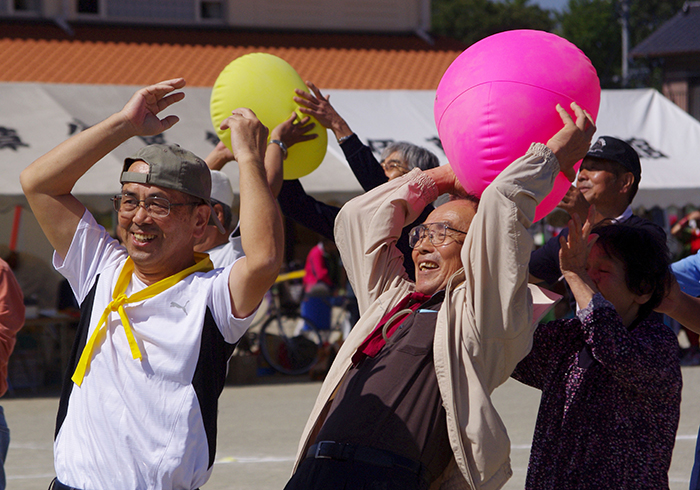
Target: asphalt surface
260,425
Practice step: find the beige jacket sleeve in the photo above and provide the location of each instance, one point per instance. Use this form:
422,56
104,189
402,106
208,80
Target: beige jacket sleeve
486,328
367,228
496,256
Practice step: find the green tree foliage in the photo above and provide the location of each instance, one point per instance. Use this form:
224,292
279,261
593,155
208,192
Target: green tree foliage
592,25
595,27
472,20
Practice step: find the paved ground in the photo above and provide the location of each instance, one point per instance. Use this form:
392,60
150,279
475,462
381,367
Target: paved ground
259,427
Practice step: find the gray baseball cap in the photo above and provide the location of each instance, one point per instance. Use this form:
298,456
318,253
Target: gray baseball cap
173,167
221,188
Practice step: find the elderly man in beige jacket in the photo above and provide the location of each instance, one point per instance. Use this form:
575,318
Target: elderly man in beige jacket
406,404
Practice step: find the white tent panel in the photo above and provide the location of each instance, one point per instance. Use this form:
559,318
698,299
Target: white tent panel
666,138
36,117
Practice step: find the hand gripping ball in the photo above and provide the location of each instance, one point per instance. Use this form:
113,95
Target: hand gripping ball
499,96
265,84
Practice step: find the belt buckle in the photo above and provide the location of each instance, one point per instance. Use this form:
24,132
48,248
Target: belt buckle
319,445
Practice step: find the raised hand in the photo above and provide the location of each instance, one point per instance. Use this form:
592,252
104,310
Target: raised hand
291,132
573,254
219,157
316,105
572,142
248,135
142,110
573,202
446,180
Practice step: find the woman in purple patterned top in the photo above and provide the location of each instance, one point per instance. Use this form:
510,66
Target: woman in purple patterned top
610,378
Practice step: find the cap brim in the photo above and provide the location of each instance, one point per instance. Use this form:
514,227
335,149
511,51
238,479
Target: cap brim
215,219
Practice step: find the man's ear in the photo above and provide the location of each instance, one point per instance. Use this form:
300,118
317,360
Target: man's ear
626,182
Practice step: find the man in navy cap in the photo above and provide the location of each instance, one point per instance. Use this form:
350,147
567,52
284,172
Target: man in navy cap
608,179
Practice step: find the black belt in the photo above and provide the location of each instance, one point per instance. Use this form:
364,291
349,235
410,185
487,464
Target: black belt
57,485
352,452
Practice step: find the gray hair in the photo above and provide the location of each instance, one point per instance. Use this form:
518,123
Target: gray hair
414,156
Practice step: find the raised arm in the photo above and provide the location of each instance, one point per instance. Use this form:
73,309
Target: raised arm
48,181
262,235
293,200
368,227
498,306
682,307
573,257
289,133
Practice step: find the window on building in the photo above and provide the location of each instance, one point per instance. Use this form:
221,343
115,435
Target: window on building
211,9
88,6
27,5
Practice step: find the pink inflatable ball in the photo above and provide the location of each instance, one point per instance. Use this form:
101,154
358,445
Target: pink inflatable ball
499,96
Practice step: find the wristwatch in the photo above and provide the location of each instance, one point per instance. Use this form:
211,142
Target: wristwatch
282,146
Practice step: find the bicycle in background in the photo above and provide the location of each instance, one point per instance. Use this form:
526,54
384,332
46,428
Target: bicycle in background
291,343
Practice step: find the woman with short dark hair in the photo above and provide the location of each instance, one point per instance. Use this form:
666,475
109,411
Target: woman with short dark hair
610,378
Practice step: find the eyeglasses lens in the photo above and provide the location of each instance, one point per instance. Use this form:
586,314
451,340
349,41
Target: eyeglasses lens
154,206
435,232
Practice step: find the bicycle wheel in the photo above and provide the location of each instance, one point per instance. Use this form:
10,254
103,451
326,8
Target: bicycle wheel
290,343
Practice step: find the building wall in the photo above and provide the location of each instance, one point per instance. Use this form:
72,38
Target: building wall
677,92
153,10
327,15
370,15
682,82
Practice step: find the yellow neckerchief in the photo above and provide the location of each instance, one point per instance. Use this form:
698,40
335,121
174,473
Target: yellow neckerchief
119,299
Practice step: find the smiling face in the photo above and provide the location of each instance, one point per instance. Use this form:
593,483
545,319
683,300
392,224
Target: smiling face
164,246
435,264
603,184
608,274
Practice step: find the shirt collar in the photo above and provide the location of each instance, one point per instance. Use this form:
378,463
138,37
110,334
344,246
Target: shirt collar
627,214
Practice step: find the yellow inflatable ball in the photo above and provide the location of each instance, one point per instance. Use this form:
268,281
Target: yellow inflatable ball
265,84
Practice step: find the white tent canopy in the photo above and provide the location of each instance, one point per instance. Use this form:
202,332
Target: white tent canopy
36,117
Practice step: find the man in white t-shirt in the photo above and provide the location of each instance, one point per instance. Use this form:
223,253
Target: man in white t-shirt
158,323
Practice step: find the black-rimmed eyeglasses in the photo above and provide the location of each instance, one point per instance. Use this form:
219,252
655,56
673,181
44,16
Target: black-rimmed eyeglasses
436,233
156,207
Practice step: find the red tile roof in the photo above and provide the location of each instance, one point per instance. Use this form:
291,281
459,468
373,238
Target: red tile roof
99,54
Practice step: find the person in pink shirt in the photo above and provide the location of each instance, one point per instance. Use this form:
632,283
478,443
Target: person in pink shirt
322,271
11,320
